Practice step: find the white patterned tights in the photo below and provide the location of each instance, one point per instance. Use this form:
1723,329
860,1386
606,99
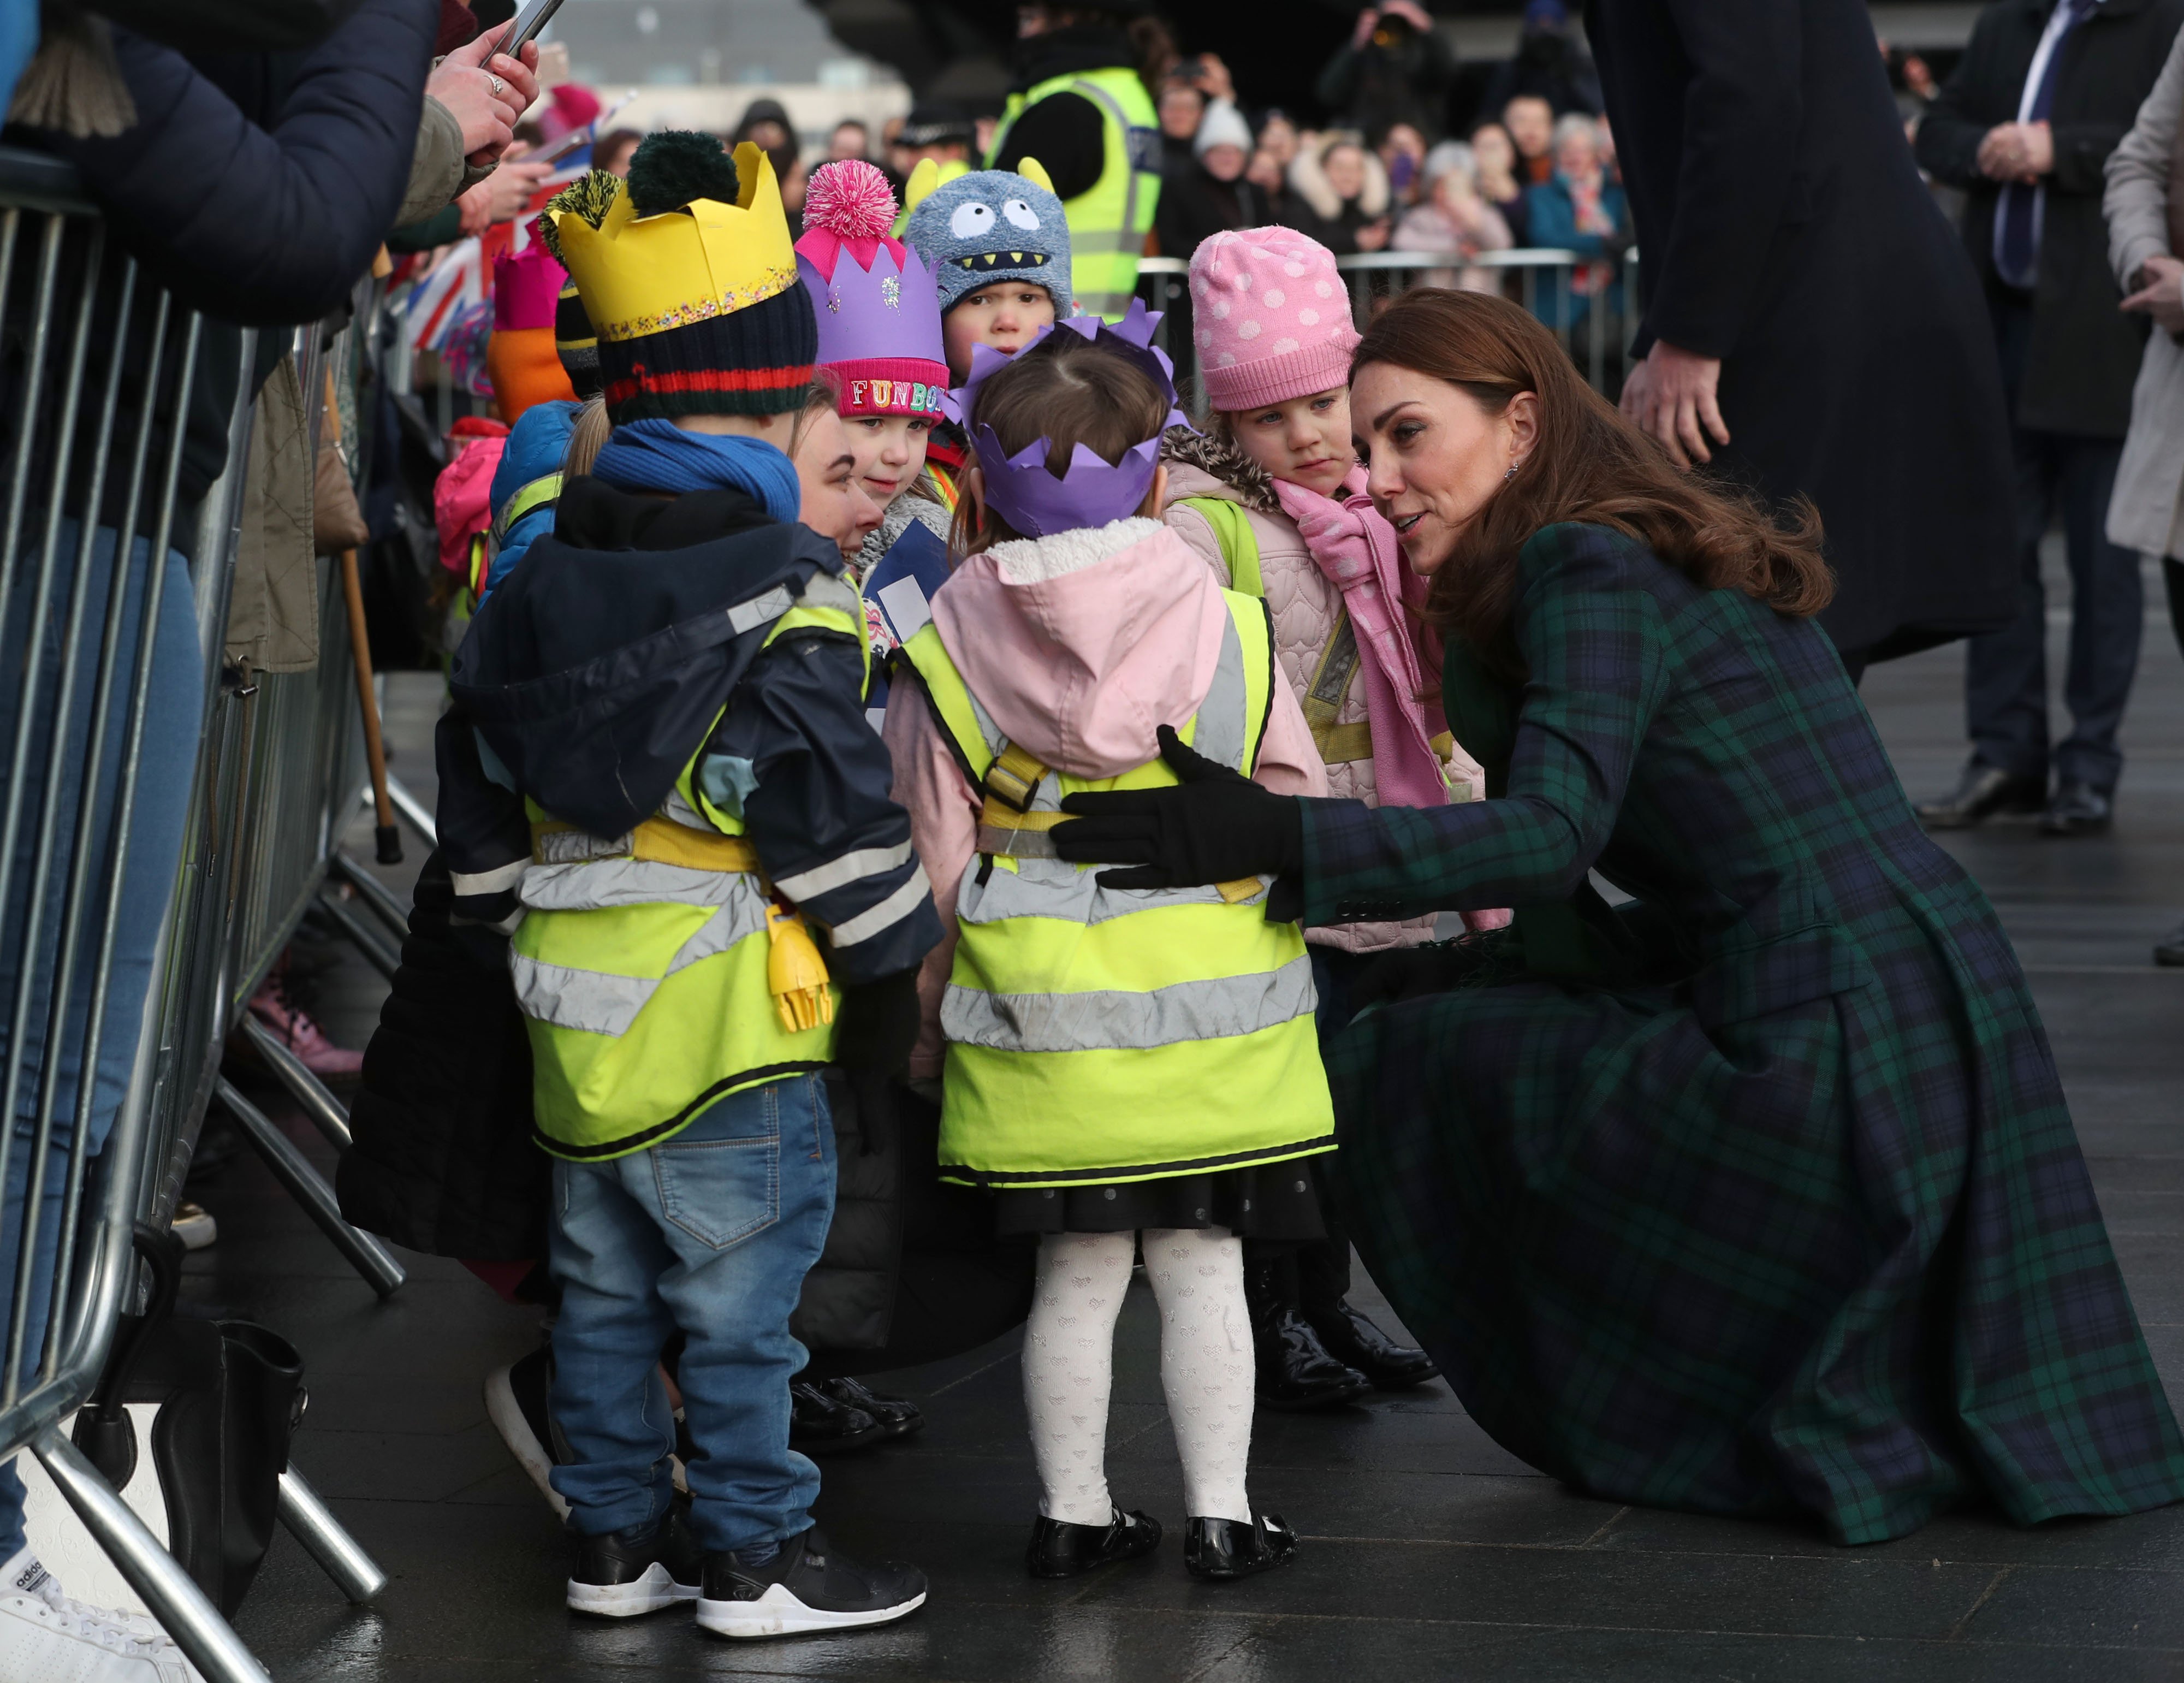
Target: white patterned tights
1197,1276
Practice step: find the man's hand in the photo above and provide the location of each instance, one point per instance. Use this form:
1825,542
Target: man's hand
502,196
2017,152
487,91
2160,294
1671,395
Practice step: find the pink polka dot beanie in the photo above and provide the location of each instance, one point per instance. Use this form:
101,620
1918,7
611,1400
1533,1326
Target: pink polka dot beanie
1270,315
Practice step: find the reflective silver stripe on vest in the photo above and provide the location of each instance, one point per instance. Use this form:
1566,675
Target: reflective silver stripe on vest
632,882
1222,730
574,847
678,811
824,590
1114,1021
599,1002
761,610
1042,888
1107,102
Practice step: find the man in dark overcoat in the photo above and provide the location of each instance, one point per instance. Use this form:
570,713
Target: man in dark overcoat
2044,94
1811,325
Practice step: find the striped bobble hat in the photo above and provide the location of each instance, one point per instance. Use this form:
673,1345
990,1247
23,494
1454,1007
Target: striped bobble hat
689,280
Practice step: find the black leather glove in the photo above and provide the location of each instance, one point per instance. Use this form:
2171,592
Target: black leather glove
1215,827
875,1031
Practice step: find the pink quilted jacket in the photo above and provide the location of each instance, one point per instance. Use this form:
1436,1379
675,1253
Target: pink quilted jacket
1306,606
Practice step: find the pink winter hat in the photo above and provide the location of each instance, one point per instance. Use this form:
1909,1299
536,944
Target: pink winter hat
1272,317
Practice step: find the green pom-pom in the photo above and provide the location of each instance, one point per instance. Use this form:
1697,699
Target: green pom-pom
590,197
674,166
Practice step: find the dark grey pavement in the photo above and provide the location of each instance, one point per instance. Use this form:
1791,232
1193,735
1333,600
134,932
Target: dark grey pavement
1429,1552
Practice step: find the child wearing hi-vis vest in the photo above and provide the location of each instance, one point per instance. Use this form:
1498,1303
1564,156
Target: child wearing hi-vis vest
1272,496
1120,1065
658,778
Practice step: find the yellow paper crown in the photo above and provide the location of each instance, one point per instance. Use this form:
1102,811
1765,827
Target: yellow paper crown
642,275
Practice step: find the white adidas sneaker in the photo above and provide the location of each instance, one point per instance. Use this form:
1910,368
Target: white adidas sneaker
50,1637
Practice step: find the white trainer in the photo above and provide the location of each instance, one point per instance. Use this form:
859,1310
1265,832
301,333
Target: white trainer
50,1637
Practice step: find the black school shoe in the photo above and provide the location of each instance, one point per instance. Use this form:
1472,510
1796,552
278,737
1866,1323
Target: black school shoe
1349,1336
638,1570
1060,1549
806,1587
820,1424
1218,1551
897,1414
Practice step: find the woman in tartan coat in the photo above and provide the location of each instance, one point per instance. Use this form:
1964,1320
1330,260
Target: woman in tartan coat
1758,1195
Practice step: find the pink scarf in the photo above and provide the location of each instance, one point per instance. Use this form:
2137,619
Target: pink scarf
1357,550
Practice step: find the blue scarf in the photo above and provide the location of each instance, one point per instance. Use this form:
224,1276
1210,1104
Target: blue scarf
658,455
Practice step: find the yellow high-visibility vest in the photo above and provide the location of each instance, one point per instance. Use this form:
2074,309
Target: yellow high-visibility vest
1108,222
1110,1034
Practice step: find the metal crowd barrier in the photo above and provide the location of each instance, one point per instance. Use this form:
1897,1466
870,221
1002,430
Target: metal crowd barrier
1593,328
276,782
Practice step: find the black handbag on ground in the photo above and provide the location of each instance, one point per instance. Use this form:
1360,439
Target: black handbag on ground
228,1395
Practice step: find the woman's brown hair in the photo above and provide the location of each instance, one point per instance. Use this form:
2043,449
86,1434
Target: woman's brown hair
1069,390
1589,465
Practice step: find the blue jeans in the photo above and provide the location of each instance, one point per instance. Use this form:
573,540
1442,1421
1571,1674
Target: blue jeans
712,1233
171,728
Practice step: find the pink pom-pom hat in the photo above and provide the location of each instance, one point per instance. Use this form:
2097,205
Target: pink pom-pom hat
1272,318
877,308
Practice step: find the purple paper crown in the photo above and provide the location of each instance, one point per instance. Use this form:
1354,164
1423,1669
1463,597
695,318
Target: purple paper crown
1021,488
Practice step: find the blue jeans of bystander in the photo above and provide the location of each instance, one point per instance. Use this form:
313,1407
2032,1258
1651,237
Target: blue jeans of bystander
172,724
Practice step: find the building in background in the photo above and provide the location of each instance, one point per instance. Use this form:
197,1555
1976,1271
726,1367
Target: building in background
697,63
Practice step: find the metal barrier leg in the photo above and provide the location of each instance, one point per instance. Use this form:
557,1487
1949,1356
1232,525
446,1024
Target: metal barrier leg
172,1595
327,1113
411,809
312,1524
361,935
381,898
294,1170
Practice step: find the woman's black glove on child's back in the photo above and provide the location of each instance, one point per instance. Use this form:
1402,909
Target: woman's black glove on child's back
874,1035
1215,827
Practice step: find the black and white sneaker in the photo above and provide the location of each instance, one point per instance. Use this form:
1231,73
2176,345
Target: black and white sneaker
626,1573
808,1586
515,1403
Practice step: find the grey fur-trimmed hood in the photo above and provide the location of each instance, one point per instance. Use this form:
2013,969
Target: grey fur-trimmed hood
1218,457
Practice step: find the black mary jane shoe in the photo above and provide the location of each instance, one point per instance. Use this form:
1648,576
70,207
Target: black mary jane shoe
820,1425
1350,1337
1216,1551
898,1414
1060,1550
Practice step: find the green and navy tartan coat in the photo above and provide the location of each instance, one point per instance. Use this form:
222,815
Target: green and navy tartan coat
1796,1219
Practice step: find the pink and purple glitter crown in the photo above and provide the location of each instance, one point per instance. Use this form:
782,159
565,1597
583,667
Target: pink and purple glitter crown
877,309
1022,489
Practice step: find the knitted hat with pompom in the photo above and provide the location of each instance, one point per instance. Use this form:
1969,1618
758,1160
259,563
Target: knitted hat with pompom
1272,318
877,311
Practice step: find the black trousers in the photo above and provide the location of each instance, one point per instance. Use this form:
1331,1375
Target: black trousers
2005,670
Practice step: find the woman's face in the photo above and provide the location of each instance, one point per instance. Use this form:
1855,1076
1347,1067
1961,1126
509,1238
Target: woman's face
1004,316
835,504
1224,163
1305,441
767,136
1491,147
889,449
1345,172
1180,108
1577,157
1454,191
1279,136
1433,456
